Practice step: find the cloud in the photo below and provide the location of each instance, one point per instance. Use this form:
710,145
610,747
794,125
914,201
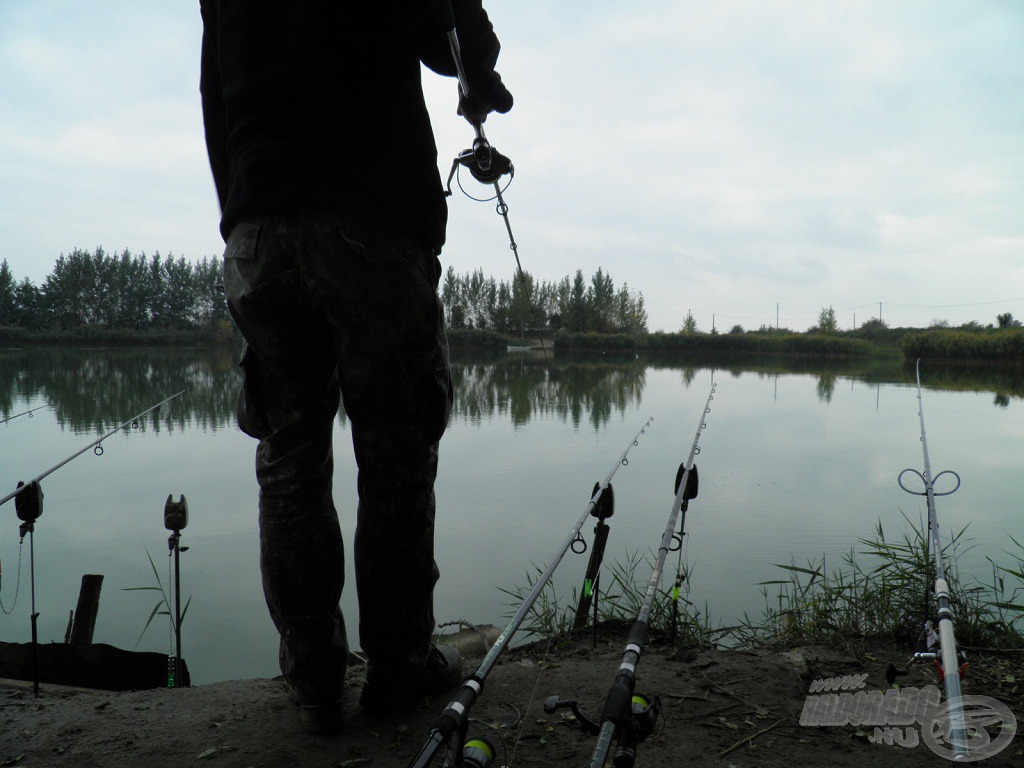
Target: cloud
721,156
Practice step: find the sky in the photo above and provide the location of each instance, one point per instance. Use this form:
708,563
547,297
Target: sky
751,163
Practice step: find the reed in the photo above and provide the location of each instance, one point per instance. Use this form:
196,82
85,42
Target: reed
877,592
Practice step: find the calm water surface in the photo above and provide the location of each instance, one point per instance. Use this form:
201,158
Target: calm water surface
797,463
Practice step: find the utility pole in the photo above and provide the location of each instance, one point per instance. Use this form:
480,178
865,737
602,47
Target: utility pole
776,316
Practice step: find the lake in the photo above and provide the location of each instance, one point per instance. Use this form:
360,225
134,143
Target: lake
799,461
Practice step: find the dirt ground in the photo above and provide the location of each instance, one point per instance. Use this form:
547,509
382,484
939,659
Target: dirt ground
718,708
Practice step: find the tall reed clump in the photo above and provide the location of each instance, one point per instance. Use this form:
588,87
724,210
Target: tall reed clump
890,597
1010,602
882,592
621,592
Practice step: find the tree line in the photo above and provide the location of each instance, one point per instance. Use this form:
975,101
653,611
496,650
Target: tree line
89,293
116,292
524,305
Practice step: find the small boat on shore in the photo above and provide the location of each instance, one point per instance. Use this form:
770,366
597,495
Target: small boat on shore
524,348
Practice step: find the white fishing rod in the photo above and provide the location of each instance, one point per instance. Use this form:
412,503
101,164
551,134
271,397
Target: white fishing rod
945,637
454,719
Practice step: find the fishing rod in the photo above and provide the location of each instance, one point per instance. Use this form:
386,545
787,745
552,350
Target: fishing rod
96,445
454,720
940,645
28,503
485,163
29,413
628,718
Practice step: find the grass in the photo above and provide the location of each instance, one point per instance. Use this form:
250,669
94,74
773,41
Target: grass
622,591
883,591
889,597
163,605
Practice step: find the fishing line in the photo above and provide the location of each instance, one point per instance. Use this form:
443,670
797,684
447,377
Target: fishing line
462,189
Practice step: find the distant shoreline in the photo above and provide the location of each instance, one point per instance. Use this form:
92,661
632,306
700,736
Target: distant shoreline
985,346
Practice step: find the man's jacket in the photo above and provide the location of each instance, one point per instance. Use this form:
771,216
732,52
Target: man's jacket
317,106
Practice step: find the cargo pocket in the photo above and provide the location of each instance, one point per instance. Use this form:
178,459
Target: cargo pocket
240,260
249,408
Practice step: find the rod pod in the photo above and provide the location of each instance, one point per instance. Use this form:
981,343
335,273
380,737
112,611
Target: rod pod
28,504
175,519
591,580
689,493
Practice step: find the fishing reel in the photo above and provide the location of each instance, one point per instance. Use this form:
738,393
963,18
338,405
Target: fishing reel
554,703
892,671
931,653
643,720
486,164
641,723
475,753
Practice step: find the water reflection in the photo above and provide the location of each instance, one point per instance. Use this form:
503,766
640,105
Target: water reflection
771,448
90,388
527,386
826,387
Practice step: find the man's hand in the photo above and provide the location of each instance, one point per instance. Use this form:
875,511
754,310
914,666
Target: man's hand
495,97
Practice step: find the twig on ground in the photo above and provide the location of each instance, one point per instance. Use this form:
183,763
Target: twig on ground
750,739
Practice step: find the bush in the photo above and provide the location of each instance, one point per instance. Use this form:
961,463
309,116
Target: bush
999,344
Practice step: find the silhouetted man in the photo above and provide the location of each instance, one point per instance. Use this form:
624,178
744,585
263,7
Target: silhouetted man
333,213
